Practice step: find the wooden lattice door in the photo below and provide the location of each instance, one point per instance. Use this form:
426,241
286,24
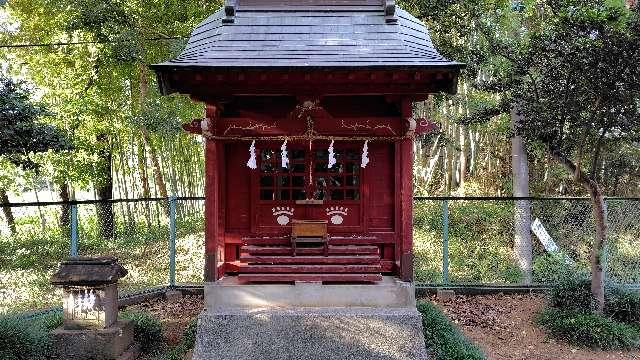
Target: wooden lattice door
307,188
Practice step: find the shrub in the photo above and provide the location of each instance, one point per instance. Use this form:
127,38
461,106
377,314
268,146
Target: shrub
186,343
21,339
189,335
147,329
623,305
551,268
588,330
572,292
49,321
443,338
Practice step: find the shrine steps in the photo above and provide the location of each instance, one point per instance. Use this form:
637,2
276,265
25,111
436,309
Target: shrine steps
338,278
272,260
313,269
341,260
333,250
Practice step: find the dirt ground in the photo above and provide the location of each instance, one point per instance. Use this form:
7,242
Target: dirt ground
175,316
502,326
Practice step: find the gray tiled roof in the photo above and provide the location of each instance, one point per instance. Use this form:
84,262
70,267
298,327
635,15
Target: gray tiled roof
310,33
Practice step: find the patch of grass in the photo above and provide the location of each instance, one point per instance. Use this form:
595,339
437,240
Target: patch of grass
480,242
28,339
147,329
443,338
29,258
49,321
623,305
187,342
573,293
588,330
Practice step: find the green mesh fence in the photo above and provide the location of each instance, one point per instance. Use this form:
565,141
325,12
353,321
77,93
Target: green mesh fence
479,243
481,247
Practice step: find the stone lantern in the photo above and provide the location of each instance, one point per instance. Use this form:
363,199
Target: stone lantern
91,329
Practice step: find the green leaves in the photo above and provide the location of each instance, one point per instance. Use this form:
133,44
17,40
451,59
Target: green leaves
588,330
20,132
583,75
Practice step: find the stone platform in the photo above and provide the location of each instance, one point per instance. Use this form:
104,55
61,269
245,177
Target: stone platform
310,321
228,293
112,343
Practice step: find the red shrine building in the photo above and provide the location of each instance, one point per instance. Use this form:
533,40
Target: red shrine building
309,135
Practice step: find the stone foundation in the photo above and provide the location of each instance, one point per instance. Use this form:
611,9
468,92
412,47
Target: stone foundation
115,342
310,321
228,293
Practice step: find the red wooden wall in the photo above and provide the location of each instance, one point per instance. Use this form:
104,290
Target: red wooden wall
236,208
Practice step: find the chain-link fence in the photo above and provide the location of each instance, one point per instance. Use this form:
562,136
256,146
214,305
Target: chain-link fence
161,242
472,241
146,235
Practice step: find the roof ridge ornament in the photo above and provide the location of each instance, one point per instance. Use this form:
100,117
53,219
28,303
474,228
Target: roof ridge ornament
390,11
229,11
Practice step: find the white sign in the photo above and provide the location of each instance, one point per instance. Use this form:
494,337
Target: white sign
544,236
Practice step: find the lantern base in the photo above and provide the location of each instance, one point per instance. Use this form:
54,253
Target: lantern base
112,343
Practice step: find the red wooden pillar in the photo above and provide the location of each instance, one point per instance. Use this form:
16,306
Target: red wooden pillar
211,204
214,237
406,204
406,199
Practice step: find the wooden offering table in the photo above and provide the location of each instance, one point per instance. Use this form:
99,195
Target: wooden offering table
310,232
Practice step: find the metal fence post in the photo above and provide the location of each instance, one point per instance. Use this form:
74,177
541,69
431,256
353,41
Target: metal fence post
73,249
605,260
445,241
172,241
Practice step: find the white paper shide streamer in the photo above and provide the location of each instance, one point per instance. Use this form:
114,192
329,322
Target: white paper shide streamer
365,154
332,155
285,155
252,163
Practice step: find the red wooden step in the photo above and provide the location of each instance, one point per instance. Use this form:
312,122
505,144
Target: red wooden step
387,265
333,250
360,240
310,259
266,241
314,269
310,277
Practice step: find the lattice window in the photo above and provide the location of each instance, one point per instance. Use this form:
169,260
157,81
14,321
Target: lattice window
342,180
284,184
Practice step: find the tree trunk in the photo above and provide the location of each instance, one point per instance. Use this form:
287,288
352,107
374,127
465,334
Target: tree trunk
144,180
522,210
155,164
65,212
598,249
8,213
463,158
104,191
43,220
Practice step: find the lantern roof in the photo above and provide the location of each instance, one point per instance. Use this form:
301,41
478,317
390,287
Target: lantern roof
307,35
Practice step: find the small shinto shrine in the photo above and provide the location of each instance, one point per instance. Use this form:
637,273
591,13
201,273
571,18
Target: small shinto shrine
309,136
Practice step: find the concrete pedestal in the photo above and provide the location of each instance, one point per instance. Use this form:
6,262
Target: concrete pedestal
114,342
228,293
310,321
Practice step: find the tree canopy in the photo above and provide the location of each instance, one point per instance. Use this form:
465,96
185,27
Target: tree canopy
21,133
